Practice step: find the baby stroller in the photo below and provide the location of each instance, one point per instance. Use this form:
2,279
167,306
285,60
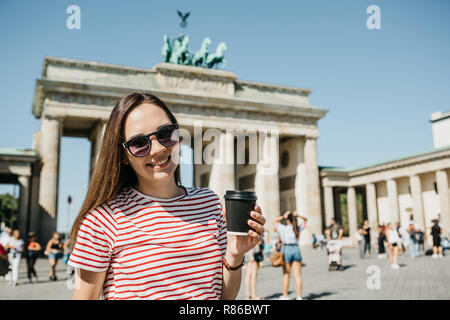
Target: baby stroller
334,249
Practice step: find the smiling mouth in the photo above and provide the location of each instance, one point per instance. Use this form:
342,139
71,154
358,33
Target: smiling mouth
160,163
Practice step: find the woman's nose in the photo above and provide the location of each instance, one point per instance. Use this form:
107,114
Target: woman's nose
156,147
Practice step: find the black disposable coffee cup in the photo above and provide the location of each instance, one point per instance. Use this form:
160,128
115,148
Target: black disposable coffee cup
238,205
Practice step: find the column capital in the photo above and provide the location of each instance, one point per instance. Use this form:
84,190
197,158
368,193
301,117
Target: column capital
47,116
24,178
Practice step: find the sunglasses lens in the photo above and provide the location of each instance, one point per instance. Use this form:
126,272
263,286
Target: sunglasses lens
139,146
167,136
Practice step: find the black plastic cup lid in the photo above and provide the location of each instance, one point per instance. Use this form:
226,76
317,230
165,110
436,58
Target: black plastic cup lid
240,195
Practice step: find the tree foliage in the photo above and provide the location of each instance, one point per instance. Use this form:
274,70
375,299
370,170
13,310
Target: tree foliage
9,206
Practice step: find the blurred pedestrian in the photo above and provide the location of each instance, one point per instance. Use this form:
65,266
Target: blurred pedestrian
394,244
314,241
253,259
33,249
5,236
321,240
436,232
413,240
54,251
364,242
289,230
402,234
381,240
4,263
334,235
16,248
70,270
421,241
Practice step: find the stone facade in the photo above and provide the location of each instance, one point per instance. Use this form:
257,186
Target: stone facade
22,167
393,191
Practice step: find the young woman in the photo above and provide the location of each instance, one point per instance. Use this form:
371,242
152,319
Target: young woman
54,251
381,240
16,248
436,232
142,235
253,259
32,253
289,232
394,241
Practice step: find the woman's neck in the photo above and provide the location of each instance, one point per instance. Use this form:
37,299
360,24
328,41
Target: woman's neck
163,189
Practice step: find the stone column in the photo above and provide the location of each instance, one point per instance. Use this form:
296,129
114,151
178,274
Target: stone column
96,138
300,178
352,212
393,201
48,190
372,212
307,189
329,204
416,193
222,173
267,187
442,186
24,196
35,211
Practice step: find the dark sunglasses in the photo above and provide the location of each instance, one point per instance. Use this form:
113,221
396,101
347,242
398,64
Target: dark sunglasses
140,146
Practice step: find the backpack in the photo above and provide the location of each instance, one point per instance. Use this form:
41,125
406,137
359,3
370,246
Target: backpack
4,267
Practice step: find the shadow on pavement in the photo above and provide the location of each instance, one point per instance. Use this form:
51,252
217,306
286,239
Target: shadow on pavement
313,296
41,281
275,296
345,267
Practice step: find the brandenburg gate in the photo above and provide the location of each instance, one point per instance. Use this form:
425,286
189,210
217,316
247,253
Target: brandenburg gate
74,98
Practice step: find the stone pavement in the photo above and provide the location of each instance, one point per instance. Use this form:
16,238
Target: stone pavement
420,278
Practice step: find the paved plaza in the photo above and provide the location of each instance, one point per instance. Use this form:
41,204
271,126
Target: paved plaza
420,278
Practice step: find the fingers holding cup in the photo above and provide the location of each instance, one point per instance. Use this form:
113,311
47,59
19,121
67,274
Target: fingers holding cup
256,222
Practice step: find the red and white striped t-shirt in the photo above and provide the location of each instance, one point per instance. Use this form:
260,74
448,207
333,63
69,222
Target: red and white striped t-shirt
155,248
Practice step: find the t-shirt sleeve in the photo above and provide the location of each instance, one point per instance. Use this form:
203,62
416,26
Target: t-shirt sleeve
302,225
222,225
95,242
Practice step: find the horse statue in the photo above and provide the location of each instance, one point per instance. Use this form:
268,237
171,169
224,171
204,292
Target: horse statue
217,57
180,53
166,49
199,57
185,55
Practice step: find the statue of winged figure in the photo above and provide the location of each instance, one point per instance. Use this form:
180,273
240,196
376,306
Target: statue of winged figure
183,17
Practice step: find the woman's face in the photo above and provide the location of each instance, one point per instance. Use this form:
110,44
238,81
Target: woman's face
142,120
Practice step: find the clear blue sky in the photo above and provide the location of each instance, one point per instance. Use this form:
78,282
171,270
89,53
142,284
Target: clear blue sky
380,86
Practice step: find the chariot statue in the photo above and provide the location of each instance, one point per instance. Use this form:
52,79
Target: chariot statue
177,51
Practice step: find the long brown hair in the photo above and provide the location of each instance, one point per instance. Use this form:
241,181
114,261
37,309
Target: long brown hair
293,221
110,175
